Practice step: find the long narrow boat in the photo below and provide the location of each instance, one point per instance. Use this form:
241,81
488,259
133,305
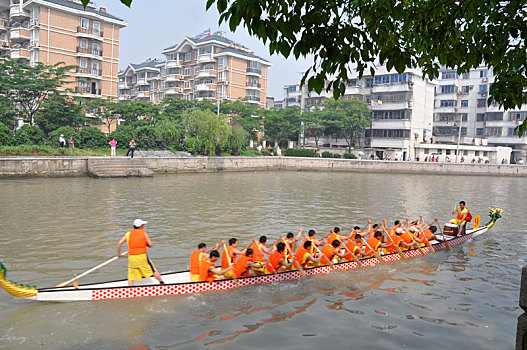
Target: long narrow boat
180,282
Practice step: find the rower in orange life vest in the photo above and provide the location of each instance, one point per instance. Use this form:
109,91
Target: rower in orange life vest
232,251
243,266
291,240
427,232
463,214
304,257
354,246
375,243
314,242
335,235
259,249
329,251
138,262
196,257
277,260
208,270
400,241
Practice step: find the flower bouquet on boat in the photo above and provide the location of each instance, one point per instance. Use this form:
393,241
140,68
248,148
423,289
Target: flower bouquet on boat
288,257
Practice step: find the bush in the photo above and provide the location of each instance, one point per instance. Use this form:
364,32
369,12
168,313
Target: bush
91,137
29,135
294,152
7,138
350,156
249,153
67,131
122,135
146,137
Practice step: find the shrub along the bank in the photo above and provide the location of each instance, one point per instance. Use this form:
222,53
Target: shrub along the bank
29,135
91,137
350,156
294,152
67,131
327,154
7,138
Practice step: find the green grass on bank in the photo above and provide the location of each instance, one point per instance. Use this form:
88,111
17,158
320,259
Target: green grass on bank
48,151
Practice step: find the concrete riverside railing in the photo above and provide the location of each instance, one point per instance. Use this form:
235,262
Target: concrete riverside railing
79,166
521,333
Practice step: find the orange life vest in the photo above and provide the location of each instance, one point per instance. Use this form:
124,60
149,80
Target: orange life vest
195,261
396,240
352,247
274,259
301,255
312,240
328,250
334,236
428,234
257,253
468,218
224,259
240,266
204,271
374,244
137,242
407,237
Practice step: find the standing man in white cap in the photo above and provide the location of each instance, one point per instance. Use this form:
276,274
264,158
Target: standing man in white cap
62,141
138,262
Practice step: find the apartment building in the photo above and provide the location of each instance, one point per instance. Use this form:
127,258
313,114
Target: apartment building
141,82
52,31
211,66
461,107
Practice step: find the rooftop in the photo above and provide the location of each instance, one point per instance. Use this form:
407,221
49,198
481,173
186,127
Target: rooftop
78,6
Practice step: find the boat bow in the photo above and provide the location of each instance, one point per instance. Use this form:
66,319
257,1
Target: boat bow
21,291
494,214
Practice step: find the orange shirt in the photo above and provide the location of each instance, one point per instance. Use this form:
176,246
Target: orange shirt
329,251
225,260
240,266
428,234
257,253
407,237
136,242
204,271
195,261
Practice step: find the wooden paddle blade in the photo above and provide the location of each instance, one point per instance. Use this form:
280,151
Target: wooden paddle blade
432,250
378,257
300,269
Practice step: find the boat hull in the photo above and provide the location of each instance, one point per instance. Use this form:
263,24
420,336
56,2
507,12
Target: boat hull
120,290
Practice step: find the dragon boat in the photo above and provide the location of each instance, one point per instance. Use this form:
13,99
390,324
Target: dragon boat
180,282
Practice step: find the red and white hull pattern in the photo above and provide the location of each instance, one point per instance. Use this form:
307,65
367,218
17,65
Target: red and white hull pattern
179,282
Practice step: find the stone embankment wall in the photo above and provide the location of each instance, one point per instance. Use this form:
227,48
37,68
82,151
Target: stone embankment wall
78,166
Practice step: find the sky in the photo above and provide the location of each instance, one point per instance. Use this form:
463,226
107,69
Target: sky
157,24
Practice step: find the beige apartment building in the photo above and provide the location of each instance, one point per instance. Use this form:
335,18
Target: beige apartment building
207,66
52,31
141,82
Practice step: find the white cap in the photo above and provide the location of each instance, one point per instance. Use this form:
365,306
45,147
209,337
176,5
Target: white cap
399,230
139,222
61,134
413,229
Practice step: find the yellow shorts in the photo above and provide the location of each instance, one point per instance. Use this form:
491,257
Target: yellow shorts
456,221
229,274
139,266
195,277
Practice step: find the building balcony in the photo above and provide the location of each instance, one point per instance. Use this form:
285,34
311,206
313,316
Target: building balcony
19,53
507,140
19,34
391,105
123,97
142,81
206,58
389,143
89,52
143,94
253,99
498,123
17,13
174,77
173,90
206,73
391,124
3,25
254,71
86,91
90,33
253,86
392,87
174,64
122,85
89,73
205,87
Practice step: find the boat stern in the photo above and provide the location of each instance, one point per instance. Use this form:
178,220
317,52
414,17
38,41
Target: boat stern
15,289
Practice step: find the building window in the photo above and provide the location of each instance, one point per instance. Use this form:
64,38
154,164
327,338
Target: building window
465,153
254,67
388,133
464,103
449,74
427,151
187,72
85,23
447,152
448,89
494,131
476,153
95,48
494,116
479,131
196,70
188,57
466,76
33,58
187,85
464,117
483,88
221,76
483,73
397,114
222,62
83,62
84,43
482,102
96,28
220,90
465,89
517,115
448,103
82,83
513,132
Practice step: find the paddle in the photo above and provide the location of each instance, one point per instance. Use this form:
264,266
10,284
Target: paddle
375,253
432,250
352,255
296,263
325,257
399,251
418,246
88,272
229,260
442,234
